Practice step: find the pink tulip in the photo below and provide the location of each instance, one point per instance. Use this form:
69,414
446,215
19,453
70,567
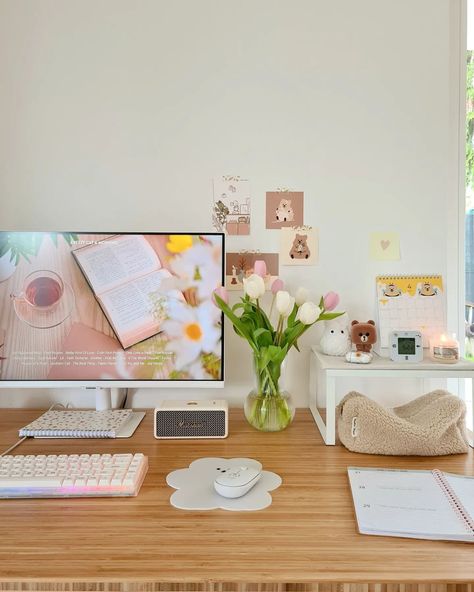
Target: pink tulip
331,300
277,285
222,293
260,268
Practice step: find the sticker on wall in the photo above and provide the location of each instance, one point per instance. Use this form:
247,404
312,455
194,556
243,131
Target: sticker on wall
284,209
299,246
231,207
384,246
240,265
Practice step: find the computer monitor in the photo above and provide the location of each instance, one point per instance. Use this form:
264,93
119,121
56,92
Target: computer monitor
110,310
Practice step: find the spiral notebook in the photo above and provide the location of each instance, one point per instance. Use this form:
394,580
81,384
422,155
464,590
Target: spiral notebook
413,504
410,302
78,424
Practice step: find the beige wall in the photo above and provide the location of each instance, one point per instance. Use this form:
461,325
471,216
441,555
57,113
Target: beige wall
116,114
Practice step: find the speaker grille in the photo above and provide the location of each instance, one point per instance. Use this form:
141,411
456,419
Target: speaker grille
189,424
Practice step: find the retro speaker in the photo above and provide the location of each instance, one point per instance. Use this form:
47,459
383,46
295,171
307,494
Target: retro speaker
191,419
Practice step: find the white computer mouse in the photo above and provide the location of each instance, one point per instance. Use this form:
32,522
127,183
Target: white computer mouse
236,481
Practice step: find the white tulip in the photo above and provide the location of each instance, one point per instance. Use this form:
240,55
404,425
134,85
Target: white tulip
308,313
254,286
284,303
301,296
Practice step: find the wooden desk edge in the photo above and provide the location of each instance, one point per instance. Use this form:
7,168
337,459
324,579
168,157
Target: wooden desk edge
136,585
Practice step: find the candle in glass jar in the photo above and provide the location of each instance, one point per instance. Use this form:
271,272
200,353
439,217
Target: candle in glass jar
445,348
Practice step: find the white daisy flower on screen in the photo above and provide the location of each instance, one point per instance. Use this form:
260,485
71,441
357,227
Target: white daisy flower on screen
191,330
199,267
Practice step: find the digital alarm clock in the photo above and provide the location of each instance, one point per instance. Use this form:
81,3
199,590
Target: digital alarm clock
406,346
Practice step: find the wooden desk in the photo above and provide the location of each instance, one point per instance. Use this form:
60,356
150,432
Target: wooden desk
307,536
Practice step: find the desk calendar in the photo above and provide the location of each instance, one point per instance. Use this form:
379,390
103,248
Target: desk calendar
410,302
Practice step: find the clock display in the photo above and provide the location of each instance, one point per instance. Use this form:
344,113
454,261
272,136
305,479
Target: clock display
406,346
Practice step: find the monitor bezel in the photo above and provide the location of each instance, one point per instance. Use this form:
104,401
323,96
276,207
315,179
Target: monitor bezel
119,382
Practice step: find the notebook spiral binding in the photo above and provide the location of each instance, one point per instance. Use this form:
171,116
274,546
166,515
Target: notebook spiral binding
454,501
424,276
68,433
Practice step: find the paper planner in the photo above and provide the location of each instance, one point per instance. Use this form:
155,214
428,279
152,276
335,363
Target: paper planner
410,303
413,504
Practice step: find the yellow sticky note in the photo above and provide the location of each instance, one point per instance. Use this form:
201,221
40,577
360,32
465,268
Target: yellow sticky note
385,246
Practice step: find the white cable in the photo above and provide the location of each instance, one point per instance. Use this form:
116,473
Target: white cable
25,437
14,446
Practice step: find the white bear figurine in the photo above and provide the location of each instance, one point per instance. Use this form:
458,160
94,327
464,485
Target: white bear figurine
336,339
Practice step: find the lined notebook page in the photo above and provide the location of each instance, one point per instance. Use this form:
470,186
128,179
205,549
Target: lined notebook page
404,503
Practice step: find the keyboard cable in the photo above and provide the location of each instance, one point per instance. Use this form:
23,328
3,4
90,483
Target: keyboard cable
13,446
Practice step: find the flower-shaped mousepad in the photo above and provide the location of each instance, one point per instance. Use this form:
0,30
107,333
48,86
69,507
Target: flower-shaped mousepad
195,486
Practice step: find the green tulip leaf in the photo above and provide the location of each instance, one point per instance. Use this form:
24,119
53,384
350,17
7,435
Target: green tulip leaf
292,318
328,316
263,337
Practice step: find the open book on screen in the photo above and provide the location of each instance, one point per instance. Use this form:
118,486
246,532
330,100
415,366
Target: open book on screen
413,504
125,274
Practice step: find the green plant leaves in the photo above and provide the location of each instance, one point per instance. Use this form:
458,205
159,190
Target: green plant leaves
328,316
4,247
292,318
69,237
270,346
27,244
277,354
19,244
262,337
291,334
252,310
240,326
271,354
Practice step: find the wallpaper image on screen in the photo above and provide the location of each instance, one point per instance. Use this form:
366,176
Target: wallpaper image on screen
76,306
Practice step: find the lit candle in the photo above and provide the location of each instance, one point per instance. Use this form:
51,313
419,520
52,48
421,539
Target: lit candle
445,348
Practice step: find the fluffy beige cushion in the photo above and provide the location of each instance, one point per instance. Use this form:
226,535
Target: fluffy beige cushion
431,425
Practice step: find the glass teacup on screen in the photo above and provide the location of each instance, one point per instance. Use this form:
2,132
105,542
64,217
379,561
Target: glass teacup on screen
42,290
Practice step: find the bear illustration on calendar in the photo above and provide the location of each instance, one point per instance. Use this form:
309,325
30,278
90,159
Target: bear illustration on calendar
410,302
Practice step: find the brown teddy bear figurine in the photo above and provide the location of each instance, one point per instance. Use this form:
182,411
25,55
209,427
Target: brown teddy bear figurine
363,335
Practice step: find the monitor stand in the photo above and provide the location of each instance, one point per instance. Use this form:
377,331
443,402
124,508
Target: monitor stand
103,402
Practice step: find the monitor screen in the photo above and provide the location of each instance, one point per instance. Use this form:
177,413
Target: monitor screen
97,307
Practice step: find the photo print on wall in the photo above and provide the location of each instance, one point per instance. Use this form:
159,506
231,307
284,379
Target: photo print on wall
240,265
284,208
384,246
299,246
231,207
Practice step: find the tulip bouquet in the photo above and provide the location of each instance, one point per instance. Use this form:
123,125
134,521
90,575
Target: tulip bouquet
268,407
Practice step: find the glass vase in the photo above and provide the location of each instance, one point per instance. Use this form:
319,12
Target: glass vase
268,407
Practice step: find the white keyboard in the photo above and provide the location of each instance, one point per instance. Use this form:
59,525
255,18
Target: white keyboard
71,475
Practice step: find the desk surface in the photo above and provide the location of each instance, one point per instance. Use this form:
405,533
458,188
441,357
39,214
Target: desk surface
307,535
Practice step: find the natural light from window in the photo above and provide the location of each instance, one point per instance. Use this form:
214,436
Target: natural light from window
469,220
